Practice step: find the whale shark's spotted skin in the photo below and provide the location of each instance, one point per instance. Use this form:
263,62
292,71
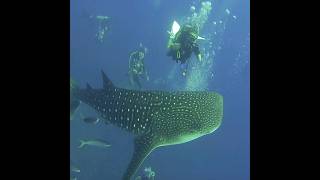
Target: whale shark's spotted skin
157,118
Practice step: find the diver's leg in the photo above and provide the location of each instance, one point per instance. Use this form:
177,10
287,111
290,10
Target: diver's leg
131,79
184,68
134,81
137,81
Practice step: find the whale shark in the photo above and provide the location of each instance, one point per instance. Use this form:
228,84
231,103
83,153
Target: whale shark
156,118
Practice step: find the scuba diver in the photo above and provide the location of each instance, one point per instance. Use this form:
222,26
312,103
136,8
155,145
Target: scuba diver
148,174
103,26
182,43
136,67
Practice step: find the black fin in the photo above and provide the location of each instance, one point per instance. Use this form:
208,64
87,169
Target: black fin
89,87
107,83
143,145
74,102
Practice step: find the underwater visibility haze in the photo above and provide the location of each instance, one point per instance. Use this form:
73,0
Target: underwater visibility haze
160,89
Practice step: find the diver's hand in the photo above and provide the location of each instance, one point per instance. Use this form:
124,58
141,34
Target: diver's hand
184,72
171,34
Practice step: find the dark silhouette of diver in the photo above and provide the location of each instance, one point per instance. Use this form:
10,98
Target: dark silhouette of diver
137,67
183,44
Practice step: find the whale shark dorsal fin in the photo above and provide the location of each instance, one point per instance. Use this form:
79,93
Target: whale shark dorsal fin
143,145
89,87
107,83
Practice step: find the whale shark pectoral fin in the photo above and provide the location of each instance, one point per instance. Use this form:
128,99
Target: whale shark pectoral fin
143,145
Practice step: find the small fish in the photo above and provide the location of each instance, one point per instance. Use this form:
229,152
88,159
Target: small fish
102,17
98,143
91,120
74,168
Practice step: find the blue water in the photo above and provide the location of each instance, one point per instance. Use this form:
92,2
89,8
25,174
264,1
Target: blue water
222,155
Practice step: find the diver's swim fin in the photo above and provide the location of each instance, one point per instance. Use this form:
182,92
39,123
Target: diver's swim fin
175,27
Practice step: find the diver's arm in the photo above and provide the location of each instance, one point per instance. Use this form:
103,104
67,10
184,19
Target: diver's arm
171,38
170,42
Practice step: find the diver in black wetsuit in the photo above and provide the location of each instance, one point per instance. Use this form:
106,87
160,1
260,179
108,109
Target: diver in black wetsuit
184,43
137,67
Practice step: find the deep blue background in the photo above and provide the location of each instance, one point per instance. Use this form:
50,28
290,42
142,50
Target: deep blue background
223,155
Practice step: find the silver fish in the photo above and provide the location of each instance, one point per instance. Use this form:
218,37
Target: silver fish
74,168
91,120
96,142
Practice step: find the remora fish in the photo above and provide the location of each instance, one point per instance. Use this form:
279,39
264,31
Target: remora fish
91,120
74,168
96,142
156,118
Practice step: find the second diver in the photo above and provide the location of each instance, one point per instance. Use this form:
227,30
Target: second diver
137,67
